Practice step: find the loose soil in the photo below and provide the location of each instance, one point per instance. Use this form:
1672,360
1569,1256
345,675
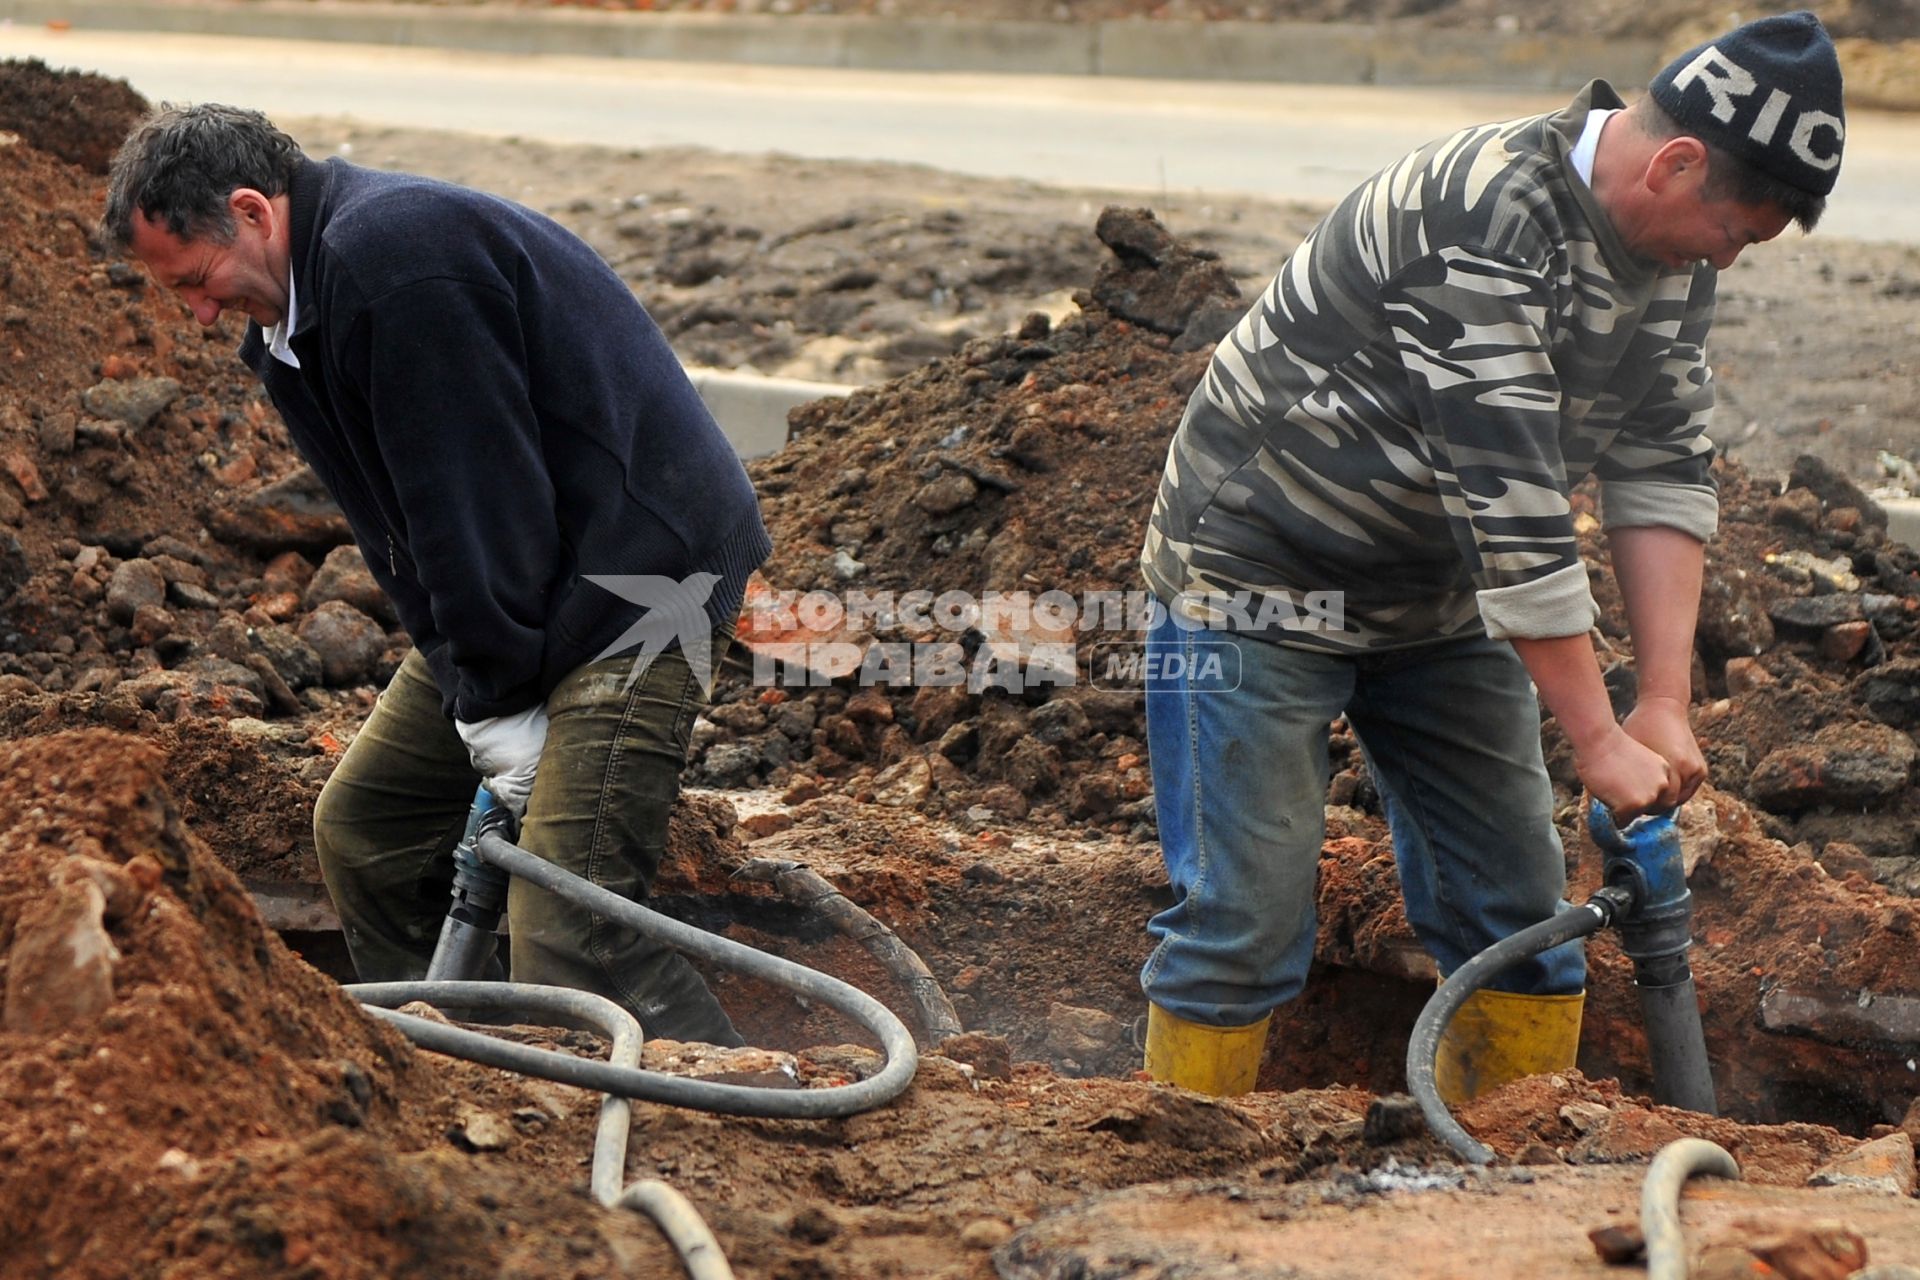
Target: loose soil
184,650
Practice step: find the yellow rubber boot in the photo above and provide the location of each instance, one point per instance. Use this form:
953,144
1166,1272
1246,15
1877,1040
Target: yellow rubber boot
1222,1061
1497,1037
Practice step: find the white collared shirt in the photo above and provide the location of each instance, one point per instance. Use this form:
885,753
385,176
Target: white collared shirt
277,336
1581,157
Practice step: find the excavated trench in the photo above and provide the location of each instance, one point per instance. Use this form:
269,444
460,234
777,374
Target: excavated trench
1041,945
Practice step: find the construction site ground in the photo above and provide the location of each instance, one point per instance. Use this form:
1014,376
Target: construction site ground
186,646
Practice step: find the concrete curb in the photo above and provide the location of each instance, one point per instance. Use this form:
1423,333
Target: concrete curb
1903,519
1311,53
752,410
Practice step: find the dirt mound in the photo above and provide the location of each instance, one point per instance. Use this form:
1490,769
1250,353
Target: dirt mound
161,547
246,789
160,1047
1028,463
1022,464
75,116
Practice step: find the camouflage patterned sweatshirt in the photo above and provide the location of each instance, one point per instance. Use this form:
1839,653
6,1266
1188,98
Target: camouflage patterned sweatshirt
1403,413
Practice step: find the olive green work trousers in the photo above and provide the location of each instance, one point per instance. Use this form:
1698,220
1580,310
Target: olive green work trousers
388,819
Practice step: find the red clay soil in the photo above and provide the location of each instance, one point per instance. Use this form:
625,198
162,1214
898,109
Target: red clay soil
162,1054
125,429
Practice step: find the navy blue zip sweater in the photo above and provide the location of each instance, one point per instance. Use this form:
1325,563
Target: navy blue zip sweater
498,417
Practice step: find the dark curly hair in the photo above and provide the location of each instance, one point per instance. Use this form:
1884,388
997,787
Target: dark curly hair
180,164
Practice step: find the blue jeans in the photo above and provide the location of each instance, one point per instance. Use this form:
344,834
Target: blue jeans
1451,732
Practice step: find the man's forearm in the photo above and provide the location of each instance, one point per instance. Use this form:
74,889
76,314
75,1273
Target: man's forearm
1620,771
1659,571
1567,674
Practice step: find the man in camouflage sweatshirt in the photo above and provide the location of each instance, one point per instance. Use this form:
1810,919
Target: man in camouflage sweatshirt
1365,510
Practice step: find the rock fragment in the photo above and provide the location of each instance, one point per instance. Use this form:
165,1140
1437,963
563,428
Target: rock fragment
293,514
60,966
1891,693
343,575
133,584
348,641
134,402
1845,764
1082,1034
1884,1164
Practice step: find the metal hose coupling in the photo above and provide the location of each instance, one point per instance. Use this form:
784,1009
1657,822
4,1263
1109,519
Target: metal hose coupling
467,936
1645,859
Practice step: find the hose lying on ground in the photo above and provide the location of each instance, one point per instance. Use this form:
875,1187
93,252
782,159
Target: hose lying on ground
801,885
1660,1201
620,1078
1424,1044
682,1224
678,1220
902,1058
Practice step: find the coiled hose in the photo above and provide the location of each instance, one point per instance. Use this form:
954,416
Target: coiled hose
1422,1047
678,1220
902,1058
620,1077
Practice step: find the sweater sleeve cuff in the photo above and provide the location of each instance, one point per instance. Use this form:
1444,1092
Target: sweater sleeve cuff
1560,604
1690,508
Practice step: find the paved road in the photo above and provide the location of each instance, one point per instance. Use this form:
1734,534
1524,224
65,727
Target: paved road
1301,142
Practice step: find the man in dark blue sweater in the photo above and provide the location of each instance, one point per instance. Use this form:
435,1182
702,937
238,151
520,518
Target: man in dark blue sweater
521,458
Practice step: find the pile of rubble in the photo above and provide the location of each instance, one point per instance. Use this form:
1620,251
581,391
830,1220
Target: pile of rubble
164,1056
166,563
1028,464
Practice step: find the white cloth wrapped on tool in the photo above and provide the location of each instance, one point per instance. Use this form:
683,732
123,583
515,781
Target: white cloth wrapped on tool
505,752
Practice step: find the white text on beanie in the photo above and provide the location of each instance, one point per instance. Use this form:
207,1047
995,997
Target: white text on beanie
1768,92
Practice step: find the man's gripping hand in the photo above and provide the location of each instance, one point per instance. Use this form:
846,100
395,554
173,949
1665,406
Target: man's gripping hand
505,752
1660,725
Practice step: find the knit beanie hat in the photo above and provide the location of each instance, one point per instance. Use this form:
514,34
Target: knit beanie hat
1768,93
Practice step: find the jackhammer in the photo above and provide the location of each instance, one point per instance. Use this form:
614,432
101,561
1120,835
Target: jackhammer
1644,896
468,939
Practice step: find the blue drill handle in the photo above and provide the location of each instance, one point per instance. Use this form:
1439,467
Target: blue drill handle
1650,843
482,802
